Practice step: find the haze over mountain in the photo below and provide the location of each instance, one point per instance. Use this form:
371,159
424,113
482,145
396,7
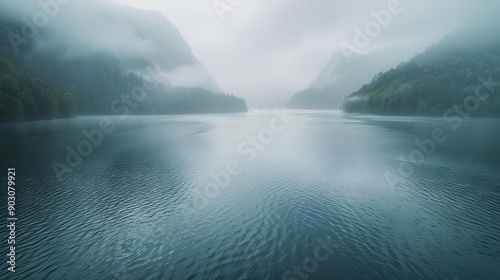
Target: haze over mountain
342,75
460,74
92,57
347,71
262,51
266,51
137,38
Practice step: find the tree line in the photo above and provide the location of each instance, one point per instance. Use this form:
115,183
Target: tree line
431,83
24,96
39,84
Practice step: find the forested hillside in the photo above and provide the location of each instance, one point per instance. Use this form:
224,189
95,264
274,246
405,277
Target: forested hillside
342,75
431,83
40,80
24,96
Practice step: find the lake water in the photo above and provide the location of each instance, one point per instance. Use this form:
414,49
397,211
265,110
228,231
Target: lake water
315,195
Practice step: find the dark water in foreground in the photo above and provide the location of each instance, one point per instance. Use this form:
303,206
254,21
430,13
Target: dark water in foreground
326,197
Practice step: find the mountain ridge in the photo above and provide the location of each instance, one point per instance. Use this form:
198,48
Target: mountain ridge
341,76
56,65
449,74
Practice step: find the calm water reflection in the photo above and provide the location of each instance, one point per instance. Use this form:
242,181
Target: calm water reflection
127,211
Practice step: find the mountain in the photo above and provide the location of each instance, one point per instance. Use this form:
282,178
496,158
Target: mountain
343,75
461,72
172,57
88,58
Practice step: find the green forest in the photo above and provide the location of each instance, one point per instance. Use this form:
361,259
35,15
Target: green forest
40,85
433,82
24,96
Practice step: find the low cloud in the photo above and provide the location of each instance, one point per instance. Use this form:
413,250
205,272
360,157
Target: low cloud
190,75
138,38
263,51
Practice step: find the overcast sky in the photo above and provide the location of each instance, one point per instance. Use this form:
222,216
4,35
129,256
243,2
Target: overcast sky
265,51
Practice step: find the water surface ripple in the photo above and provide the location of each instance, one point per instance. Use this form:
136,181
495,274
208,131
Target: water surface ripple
128,212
